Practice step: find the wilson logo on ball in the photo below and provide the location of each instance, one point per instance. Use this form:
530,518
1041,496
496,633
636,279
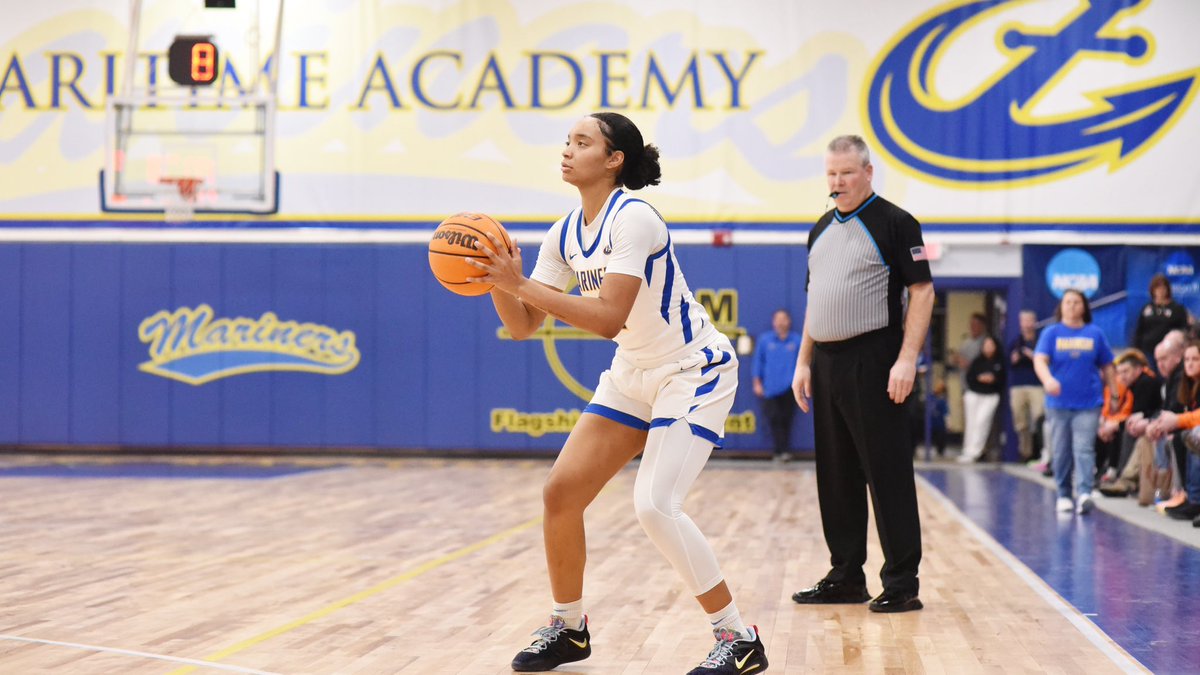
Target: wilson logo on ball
453,238
459,238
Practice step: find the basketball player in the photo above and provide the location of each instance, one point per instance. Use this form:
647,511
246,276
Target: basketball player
666,395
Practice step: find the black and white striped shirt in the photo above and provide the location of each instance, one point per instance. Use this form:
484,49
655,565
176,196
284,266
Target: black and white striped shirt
859,264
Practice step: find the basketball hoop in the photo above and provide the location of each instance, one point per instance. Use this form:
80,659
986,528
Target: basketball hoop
232,149
180,203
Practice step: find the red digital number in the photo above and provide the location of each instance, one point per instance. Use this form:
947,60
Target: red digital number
204,62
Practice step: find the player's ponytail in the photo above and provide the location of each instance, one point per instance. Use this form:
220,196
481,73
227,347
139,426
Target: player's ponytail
641,166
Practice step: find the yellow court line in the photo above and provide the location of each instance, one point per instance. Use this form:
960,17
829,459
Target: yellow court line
363,595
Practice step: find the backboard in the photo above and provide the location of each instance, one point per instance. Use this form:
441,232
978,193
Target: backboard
177,149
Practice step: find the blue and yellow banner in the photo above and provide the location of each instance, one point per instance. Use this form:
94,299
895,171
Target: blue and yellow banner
316,346
981,112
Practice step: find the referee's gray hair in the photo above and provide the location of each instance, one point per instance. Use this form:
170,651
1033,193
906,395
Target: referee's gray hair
848,143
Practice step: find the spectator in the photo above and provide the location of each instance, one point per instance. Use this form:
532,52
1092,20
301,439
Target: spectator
1187,421
1025,395
1116,406
1159,316
1137,393
1137,470
985,381
1179,339
973,343
977,330
969,348
773,366
1071,358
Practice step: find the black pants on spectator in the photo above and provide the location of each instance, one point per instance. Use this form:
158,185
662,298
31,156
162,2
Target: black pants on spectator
1127,445
1109,453
863,443
780,411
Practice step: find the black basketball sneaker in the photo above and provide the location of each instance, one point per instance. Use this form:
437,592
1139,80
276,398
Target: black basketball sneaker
555,645
733,655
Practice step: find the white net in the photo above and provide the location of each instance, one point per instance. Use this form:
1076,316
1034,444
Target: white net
179,198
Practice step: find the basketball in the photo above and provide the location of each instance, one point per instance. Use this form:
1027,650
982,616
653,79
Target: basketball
453,243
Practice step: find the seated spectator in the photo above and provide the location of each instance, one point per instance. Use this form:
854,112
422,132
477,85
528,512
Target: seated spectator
1140,469
1186,421
1137,392
1117,407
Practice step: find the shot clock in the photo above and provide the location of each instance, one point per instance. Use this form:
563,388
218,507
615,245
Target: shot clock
192,60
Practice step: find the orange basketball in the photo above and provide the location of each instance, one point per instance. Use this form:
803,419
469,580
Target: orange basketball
454,242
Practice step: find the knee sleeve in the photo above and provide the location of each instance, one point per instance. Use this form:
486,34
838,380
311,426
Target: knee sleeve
670,465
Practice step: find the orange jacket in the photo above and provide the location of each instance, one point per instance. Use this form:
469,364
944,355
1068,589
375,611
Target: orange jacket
1119,408
1188,419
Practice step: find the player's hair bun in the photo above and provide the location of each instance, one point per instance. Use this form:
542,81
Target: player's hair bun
641,167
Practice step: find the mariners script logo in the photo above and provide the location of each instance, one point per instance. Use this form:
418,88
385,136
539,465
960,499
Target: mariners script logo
191,346
992,135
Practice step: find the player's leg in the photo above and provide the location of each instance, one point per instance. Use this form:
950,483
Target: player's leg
692,399
611,432
594,452
689,411
672,461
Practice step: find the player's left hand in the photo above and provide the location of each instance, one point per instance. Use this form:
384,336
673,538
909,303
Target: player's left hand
502,268
900,380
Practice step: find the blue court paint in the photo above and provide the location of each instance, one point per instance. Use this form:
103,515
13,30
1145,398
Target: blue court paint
1140,587
156,470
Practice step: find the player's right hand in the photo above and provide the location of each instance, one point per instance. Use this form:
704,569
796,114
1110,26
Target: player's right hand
503,268
802,386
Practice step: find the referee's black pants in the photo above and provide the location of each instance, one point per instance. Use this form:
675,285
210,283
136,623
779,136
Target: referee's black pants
863,442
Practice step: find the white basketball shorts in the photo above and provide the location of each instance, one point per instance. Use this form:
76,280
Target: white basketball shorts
698,388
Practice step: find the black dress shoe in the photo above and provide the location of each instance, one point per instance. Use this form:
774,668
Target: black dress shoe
1184,511
832,593
889,602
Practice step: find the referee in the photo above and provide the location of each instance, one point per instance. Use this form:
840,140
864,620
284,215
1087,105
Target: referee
857,363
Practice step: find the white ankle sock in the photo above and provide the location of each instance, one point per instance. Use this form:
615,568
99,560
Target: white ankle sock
571,613
728,617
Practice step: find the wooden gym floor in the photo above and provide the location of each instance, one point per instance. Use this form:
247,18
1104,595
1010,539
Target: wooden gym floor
173,565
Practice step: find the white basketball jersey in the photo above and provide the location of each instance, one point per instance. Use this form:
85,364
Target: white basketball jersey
629,237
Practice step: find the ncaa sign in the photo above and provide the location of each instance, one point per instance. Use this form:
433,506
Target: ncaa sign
1073,269
1180,270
